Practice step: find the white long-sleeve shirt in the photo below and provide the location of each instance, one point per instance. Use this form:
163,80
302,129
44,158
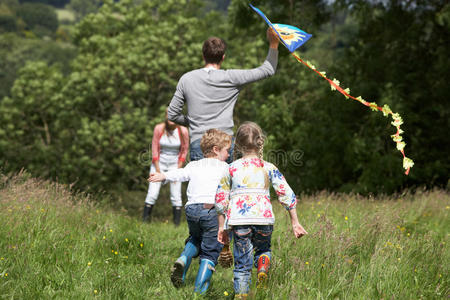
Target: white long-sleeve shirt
203,176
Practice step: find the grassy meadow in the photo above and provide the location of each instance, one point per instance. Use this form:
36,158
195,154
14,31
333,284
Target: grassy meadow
56,244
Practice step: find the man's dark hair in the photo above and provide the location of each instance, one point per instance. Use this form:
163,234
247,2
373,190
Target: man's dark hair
213,50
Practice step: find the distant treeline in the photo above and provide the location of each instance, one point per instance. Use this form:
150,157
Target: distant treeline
55,3
92,124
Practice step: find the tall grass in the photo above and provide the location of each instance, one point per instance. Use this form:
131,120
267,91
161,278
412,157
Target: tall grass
57,244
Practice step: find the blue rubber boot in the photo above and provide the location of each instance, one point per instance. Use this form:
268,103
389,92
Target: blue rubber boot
204,275
181,265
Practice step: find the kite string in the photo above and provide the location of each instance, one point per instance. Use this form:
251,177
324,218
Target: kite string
407,162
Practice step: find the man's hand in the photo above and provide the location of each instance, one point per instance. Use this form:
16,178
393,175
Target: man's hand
156,177
299,231
272,37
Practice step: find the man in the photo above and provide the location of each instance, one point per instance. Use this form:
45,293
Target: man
210,93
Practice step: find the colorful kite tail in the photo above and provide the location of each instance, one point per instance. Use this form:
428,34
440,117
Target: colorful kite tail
397,119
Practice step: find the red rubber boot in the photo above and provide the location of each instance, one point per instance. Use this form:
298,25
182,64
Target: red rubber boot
263,270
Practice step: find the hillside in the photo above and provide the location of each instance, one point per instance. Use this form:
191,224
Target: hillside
56,244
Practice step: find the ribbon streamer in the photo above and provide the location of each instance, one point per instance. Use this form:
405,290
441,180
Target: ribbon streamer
397,119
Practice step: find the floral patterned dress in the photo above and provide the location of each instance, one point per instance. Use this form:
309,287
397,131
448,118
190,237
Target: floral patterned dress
243,194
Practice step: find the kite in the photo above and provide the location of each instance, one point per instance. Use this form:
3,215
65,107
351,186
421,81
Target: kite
292,38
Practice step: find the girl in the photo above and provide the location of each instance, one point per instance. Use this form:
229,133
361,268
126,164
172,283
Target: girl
243,196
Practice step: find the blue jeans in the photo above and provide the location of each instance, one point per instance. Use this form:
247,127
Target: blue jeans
203,227
197,154
246,239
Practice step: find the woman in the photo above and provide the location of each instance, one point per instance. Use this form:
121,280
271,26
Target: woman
170,145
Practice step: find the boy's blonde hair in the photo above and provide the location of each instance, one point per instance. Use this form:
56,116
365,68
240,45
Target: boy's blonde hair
249,138
211,138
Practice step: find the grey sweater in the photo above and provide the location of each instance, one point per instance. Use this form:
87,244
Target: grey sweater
211,94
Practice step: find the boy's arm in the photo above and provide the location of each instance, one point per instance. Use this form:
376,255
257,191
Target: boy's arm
156,177
181,174
222,235
175,110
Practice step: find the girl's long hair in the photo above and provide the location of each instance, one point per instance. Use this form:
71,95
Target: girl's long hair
166,125
249,138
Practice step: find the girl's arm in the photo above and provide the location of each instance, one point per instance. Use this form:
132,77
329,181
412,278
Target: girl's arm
156,164
223,193
285,194
287,198
298,229
157,132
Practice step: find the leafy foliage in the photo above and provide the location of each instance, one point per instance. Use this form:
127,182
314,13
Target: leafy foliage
398,57
344,146
83,7
7,23
93,126
99,121
15,51
37,15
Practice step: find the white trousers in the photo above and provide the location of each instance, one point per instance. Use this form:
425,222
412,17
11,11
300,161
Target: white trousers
154,187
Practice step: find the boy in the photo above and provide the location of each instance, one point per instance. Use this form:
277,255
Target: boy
203,176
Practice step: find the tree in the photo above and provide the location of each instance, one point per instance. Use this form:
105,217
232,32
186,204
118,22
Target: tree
96,122
83,7
7,16
15,51
56,3
399,57
102,114
7,23
37,15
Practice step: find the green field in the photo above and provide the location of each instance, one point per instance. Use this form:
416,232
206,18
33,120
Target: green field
56,244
